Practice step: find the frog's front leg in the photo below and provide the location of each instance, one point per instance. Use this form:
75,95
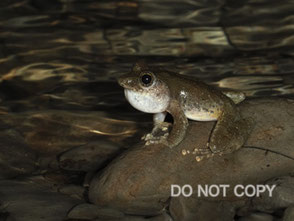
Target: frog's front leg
180,124
230,132
160,129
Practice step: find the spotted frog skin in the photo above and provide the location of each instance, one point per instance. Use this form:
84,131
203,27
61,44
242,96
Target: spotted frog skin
160,91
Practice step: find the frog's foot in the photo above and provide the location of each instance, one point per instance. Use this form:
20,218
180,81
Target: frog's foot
159,134
230,137
221,142
158,140
202,151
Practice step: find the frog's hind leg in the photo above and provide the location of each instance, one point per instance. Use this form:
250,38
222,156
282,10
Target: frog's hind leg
230,132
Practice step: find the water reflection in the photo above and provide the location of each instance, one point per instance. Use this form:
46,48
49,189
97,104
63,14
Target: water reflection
66,55
62,112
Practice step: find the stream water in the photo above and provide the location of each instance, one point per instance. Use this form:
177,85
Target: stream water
59,60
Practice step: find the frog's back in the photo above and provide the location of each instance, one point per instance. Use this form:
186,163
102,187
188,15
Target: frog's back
199,101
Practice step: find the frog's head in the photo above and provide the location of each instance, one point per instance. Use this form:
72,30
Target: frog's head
144,90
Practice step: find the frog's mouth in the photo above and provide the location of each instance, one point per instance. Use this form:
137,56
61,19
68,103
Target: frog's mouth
127,81
120,81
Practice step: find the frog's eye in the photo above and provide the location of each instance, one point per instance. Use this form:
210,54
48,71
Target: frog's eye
147,79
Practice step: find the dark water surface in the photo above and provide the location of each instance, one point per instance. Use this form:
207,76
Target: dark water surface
59,60
67,54
73,50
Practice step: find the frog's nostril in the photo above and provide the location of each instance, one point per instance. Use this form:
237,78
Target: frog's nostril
120,81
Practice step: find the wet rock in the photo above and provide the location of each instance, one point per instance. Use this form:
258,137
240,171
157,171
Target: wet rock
60,178
257,217
193,209
16,158
289,214
48,163
73,191
283,195
162,217
139,181
88,157
90,211
27,200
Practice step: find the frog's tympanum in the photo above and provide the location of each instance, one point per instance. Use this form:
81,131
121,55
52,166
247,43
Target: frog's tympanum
160,91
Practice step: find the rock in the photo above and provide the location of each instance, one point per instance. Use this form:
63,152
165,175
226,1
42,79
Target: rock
90,211
16,158
27,200
139,181
88,157
48,163
73,191
283,195
195,209
162,217
128,218
257,217
289,214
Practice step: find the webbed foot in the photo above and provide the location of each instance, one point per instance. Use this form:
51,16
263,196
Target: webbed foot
158,134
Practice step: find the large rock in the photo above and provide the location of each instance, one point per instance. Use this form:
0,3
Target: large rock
139,181
89,157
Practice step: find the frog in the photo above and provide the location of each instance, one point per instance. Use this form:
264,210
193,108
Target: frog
158,91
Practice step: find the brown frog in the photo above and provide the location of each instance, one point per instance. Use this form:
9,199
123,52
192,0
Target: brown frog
161,91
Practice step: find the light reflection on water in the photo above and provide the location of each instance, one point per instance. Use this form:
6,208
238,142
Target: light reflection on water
66,55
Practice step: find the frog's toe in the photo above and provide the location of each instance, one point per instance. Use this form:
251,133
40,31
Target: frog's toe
157,140
147,137
204,156
202,151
